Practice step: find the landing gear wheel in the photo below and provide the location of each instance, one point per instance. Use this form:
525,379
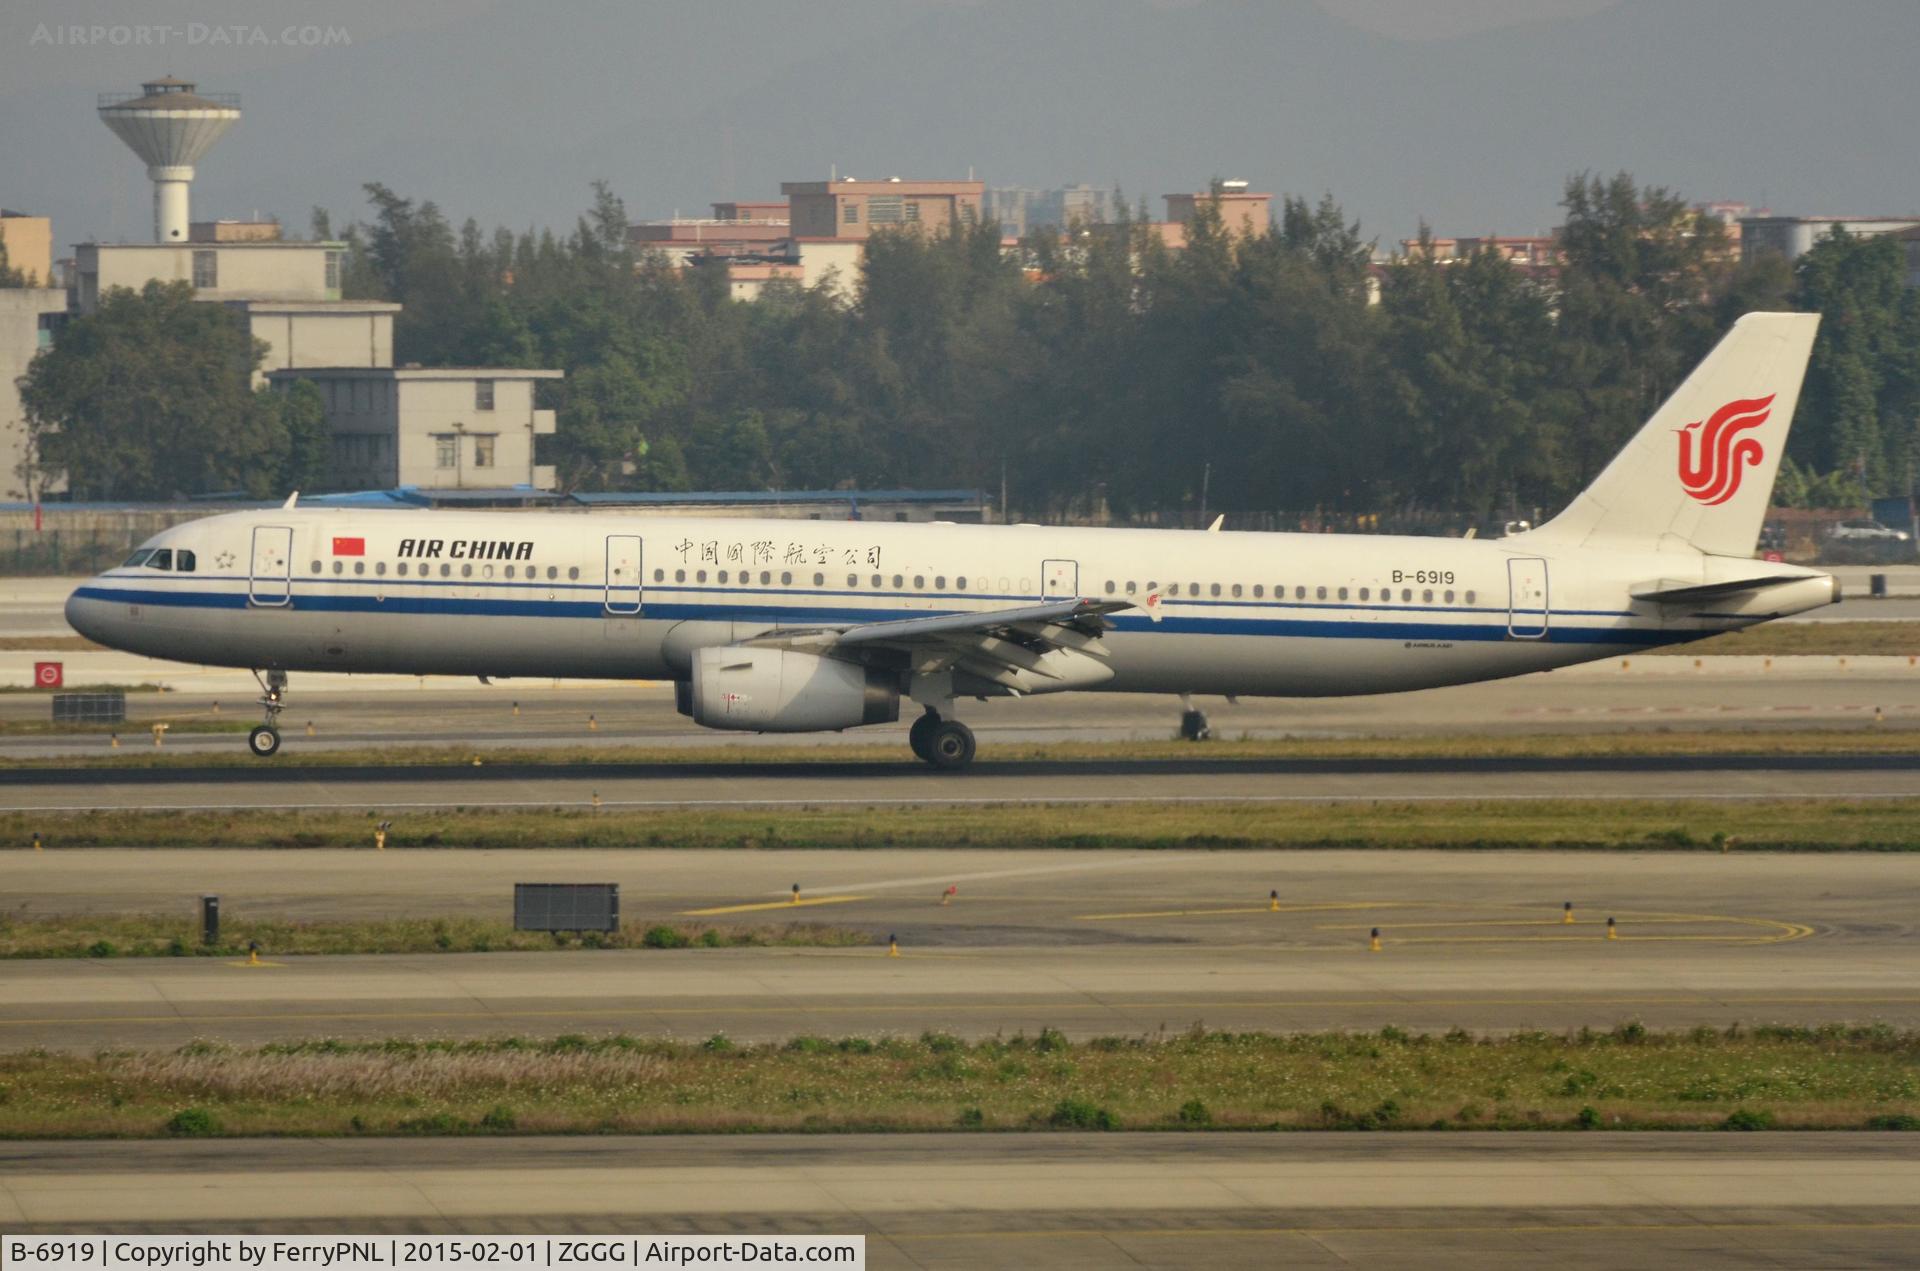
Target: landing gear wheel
1194,726
949,745
917,735
264,741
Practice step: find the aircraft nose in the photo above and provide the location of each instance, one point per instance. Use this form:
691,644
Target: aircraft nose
87,614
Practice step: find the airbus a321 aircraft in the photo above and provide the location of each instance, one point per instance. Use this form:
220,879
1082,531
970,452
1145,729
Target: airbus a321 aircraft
799,626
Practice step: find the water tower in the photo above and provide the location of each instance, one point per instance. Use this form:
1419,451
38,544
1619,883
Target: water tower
171,127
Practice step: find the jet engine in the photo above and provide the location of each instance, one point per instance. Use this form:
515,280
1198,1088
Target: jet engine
767,690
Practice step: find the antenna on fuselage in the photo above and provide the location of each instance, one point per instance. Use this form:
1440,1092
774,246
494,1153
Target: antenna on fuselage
1218,521
291,499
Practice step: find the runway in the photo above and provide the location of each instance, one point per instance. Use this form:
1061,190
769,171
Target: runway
400,787
1092,943
1504,1200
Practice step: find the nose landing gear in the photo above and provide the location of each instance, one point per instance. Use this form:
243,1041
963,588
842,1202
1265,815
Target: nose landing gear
264,741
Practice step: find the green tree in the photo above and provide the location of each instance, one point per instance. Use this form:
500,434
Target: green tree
1860,407
148,398
309,442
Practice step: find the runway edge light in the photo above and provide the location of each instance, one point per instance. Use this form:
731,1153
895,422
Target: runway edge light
1612,933
1373,941
1273,901
893,946
1566,912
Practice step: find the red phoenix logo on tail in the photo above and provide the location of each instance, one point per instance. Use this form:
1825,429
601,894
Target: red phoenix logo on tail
1712,453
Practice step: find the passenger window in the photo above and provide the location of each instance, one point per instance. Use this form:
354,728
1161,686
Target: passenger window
162,558
486,571
960,584
316,567
401,569
1343,593
573,571
1469,597
1406,593
1173,589
553,571
1426,597
939,582
919,582
1259,590
1109,586
786,579
140,558
679,575
819,580
853,580
1236,590
877,581
1214,589
360,567
700,577
721,576
659,575
1193,589
898,582
339,567
1365,594
380,568
1319,593
466,571
1449,596
183,561
1130,587
1300,593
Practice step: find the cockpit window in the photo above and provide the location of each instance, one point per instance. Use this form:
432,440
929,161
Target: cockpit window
138,558
183,561
162,558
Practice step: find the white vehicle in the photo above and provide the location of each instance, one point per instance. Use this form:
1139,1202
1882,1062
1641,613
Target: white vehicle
1865,531
797,626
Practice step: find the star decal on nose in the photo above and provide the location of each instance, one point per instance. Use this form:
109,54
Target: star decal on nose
224,560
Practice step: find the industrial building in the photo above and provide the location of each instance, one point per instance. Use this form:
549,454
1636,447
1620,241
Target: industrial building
29,317
459,428
1794,236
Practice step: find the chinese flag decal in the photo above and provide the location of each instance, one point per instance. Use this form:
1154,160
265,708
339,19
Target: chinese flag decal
349,546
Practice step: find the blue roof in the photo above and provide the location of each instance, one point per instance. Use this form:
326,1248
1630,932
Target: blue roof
721,497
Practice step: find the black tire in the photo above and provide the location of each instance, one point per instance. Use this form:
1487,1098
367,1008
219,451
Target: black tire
917,735
950,745
1193,726
264,741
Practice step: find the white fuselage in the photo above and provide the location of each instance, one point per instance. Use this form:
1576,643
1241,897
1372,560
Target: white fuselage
572,595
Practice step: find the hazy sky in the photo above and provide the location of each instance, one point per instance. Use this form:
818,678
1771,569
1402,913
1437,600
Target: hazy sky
1469,113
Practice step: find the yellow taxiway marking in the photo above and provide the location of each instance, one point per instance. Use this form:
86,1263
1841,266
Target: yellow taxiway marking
1250,909
890,1008
262,962
769,904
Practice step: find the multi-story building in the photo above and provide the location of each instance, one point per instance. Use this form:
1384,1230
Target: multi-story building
29,316
850,209
29,243
734,229
1794,236
1242,211
438,428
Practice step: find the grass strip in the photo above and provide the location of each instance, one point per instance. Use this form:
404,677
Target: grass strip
1868,738
1629,1078
159,935
1865,638
1796,824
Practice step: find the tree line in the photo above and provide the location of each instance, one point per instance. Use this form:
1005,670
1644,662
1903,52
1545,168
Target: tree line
1096,372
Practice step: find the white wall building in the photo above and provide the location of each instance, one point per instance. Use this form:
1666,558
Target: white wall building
437,428
28,317
1794,236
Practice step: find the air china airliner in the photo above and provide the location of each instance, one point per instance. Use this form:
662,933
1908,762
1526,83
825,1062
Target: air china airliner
799,626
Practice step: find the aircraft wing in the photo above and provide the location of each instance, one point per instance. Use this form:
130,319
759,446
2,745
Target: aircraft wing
1029,649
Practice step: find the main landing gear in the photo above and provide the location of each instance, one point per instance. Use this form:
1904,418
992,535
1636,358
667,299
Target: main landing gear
1193,721
264,741
944,743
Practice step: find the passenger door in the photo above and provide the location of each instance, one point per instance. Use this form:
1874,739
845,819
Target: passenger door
623,575
1527,598
270,578
1059,580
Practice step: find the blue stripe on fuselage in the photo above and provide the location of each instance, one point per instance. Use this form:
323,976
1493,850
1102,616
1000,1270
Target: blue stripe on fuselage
799,615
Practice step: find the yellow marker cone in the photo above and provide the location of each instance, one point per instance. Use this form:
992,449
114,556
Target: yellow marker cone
516,710
1612,934
1623,664
796,895
893,946
113,741
36,842
1273,902
216,708
1768,666
379,840
1878,717
1566,912
596,798
1373,942
309,728
253,955
593,725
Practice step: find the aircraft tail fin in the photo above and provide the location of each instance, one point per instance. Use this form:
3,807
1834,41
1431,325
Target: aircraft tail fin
1700,474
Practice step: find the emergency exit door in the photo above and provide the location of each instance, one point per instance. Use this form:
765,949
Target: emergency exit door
623,574
1059,580
270,578
1526,598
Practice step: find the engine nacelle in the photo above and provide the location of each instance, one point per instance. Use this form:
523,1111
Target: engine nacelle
781,691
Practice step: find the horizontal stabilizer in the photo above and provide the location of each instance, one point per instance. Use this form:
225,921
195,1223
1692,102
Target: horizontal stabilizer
1675,591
